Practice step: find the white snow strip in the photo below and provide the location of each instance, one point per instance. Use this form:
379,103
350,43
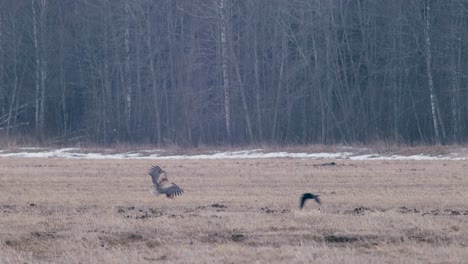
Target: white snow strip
412,157
32,148
254,155
75,153
151,150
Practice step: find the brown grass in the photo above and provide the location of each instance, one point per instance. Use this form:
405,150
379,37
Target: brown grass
233,211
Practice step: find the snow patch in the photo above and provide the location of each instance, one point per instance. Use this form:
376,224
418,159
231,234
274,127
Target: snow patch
76,153
411,157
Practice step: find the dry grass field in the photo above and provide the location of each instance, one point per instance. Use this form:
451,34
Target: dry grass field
233,211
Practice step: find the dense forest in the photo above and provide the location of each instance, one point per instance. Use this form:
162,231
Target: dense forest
239,72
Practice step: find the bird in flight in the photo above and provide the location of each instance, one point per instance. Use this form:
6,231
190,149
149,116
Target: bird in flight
307,196
162,185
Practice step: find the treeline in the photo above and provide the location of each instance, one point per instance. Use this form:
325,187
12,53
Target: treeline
192,72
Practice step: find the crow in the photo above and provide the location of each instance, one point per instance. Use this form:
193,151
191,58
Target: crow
306,196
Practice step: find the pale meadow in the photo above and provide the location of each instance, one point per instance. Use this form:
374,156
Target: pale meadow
233,211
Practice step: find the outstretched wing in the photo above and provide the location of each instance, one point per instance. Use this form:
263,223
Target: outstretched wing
306,196
155,173
170,189
161,184
317,199
303,199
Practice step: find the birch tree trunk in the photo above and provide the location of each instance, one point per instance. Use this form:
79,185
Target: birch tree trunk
37,81
105,97
13,100
154,85
430,80
128,85
257,89
63,88
455,79
244,100
280,85
39,24
222,9
2,61
137,113
43,67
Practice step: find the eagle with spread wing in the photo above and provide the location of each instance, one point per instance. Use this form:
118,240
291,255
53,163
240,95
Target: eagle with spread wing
162,185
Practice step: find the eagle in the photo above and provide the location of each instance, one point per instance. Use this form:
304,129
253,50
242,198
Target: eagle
162,185
306,196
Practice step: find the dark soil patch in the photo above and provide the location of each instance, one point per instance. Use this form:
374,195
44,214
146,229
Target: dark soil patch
274,211
11,243
422,236
44,235
221,206
213,238
7,208
216,238
163,257
135,237
85,209
268,210
445,212
138,213
238,237
325,164
218,207
359,210
341,239
434,212
406,210
119,239
175,216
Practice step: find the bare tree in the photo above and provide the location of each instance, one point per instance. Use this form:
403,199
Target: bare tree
128,81
38,79
430,80
223,24
2,61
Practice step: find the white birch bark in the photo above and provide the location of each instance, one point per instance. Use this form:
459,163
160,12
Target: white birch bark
455,81
128,86
15,83
63,85
154,85
280,84
430,80
224,61
245,105
257,89
2,102
36,81
43,67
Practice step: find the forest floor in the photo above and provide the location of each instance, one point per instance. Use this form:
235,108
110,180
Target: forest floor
234,211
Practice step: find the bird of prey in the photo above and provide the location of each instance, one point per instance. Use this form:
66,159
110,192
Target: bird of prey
162,185
306,196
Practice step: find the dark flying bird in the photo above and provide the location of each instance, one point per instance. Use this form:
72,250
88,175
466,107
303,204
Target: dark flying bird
162,185
306,196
